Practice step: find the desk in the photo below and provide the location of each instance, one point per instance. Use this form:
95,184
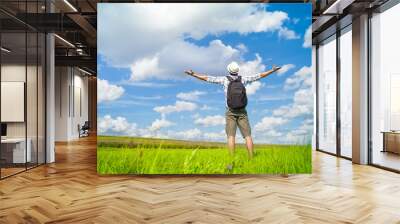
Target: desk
391,142
16,147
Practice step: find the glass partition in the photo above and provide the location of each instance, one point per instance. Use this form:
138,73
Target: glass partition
13,94
385,89
41,97
22,77
327,95
31,97
346,92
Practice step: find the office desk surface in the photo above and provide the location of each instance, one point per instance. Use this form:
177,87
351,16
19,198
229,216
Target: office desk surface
19,153
13,140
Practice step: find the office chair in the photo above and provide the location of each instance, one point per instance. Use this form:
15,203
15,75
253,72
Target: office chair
84,130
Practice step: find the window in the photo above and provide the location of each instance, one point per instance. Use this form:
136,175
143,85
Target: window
385,89
346,92
327,95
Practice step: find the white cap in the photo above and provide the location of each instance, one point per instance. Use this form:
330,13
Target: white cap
233,68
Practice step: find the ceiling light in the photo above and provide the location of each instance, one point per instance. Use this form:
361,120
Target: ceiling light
330,8
84,71
5,50
70,5
79,51
337,7
65,41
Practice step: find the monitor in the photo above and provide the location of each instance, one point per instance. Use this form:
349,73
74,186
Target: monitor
3,129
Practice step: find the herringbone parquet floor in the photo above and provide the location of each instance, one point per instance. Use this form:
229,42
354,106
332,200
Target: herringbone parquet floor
70,191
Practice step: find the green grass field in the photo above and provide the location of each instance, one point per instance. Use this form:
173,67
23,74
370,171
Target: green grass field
128,155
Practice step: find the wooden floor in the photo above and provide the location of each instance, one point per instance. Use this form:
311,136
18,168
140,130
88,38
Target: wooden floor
5,172
70,191
387,159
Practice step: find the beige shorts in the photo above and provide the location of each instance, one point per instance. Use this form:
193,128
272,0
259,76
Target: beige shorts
237,118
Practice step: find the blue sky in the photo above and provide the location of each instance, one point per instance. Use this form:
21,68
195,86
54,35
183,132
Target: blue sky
144,49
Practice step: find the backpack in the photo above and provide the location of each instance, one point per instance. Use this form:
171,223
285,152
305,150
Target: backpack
236,96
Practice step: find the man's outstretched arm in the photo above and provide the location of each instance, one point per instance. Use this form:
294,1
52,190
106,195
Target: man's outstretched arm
207,78
249,79
196,75
267,73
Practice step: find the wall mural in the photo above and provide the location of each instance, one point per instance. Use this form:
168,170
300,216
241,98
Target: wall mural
204,88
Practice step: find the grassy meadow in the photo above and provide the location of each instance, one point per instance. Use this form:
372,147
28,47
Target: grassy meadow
131,155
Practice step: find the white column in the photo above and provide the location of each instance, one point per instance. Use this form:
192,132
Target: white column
360,90
314,88
50,100
50,92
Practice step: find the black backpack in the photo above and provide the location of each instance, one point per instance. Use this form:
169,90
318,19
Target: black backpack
236,98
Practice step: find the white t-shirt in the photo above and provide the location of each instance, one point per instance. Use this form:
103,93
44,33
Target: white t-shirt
223,80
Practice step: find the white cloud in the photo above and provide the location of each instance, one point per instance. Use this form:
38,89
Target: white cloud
253,87
158,57
145,68
269,123
190,134
197,134
265,131
177,107
306,128
273,97
179,21
210,120
281,111
147,84
119,125
284,69
155,97
190,96
107,91
303,103
160,123
242,48
271,134
215,136
302,106
109,125
301,78
252,67
196,115
301,135
169,62
205,107
295,139
285,33
308,37
274,133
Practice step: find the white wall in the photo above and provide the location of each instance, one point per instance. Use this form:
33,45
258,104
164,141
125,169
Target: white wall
62,81
33,126
71,102
17,73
